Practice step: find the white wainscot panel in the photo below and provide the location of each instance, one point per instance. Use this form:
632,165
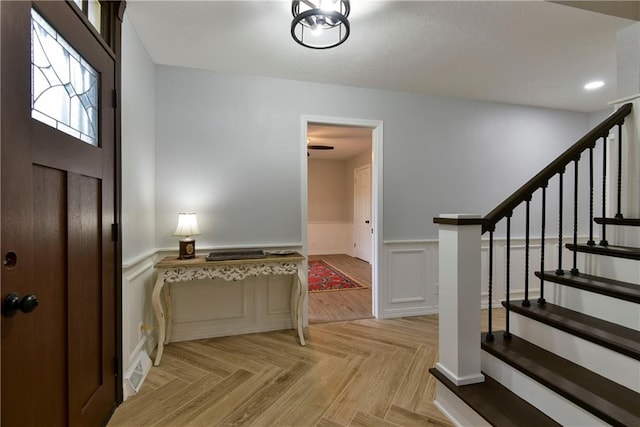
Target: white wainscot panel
213,308
411,285
327,238
138,320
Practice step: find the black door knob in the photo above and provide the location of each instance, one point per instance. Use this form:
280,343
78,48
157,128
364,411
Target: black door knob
366,222
12,303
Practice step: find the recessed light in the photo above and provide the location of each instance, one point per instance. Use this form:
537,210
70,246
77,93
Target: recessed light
594,85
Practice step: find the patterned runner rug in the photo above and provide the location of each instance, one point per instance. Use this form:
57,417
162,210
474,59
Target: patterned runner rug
323,277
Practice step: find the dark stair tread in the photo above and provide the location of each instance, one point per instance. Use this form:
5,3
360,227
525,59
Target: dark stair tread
606,334
633,222
496,403
609,401
600,285
614,251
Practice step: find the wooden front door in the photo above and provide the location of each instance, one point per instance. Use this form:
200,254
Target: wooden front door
57,211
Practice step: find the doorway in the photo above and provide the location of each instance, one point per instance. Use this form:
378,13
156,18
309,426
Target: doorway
340,193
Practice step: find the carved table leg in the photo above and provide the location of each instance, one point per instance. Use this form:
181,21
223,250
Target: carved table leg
159,312
168,310
301,293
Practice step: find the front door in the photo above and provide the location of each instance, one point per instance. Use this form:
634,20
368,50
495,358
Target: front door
58,318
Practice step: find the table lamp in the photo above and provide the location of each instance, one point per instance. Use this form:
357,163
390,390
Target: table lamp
187,227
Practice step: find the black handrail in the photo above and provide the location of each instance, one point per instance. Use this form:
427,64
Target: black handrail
559,164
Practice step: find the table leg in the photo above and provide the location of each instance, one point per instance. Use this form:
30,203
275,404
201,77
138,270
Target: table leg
301,293
168,311
159,312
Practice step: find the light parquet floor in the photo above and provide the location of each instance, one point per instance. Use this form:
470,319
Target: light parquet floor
357,373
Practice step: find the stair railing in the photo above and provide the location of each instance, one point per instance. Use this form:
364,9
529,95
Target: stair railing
538,185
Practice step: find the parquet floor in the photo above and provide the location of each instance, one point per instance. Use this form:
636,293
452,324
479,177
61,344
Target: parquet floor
349,304
357,373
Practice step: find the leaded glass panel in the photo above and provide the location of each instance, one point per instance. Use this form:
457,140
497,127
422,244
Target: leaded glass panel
64,87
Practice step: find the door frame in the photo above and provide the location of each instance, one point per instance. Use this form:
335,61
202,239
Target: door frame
377,266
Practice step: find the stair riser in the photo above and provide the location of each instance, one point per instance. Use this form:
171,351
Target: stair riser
547,401
622,235
616,367
458,412
626,270
613,310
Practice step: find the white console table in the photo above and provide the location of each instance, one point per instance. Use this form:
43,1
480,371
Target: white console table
173,270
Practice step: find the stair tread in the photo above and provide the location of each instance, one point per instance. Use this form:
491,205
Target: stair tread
607,334
601,285
633,222
496,403
600,396
611,250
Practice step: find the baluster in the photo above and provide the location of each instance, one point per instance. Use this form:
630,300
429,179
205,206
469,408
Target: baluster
489,336
525,302
559,271
591,242
603,240
619,213
507,333
541,299
574,270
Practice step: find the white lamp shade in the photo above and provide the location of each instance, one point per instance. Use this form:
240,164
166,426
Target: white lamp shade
187,225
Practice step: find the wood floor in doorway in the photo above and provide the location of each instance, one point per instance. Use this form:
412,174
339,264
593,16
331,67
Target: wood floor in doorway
336,306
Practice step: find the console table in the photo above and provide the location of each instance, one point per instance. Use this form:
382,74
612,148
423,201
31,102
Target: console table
173,270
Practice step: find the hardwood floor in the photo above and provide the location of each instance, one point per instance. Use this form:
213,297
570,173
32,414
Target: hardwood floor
351,304
358,373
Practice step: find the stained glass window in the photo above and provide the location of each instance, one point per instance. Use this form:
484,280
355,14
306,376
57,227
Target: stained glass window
64,87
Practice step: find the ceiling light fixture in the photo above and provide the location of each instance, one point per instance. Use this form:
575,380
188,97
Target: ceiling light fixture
594,85
320,24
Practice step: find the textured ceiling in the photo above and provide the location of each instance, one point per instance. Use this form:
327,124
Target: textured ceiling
524,52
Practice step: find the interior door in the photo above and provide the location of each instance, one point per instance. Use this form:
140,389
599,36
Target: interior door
57,177
362,213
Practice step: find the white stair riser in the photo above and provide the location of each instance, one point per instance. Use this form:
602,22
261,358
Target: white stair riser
555,406
614,366
626,270
458,412
623,235
603,307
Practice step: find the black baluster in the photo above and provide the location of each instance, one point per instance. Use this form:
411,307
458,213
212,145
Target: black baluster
525,302
507,333
574,269
591,242
541,299
489,336
603,240
559,271
619,213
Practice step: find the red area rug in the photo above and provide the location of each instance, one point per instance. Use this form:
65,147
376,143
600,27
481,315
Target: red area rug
323,277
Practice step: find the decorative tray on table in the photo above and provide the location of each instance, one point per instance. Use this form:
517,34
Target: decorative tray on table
225,256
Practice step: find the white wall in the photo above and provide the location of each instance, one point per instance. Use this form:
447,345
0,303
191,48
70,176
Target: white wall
138,146
138,195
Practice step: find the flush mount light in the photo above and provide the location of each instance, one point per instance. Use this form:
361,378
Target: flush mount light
320,24
594,85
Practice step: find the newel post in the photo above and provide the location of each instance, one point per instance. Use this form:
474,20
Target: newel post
459,311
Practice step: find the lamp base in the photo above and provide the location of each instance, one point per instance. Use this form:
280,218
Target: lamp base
187,249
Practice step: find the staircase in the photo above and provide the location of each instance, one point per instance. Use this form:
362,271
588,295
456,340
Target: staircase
570,352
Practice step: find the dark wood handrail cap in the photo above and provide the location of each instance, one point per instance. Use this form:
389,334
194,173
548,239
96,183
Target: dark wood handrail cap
459,219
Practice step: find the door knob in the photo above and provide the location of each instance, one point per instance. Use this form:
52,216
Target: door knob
366,222
12,303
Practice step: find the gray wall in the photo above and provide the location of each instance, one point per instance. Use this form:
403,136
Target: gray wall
138,146
229,148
